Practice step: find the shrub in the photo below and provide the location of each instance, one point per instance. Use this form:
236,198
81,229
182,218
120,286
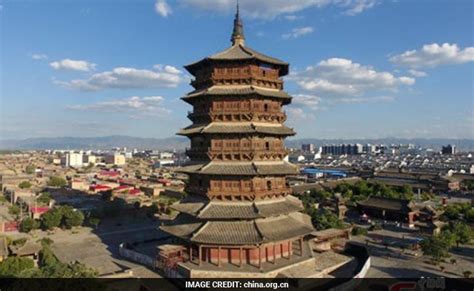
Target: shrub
359,231
44,198
14,266
56,181
24,185
28,224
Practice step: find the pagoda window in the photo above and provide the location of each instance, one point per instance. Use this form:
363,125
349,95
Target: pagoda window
265,107
269,185
267,145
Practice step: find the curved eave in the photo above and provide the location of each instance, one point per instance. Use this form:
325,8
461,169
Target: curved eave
238,53
241,169
215,128
248,91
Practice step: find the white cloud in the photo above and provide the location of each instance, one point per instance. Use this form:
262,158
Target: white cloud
38,56
162,8
127,78
151,106
357,6
432,55
297,32
338,77
417,74
308,101
292,17
356,100
269,9
73,65
296,114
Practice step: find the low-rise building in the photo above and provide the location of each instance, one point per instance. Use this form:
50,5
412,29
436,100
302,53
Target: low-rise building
115,159
72,159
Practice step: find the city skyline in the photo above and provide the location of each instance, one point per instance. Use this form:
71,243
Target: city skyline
360,69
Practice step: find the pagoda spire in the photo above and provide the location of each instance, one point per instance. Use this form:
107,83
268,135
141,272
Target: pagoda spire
238,37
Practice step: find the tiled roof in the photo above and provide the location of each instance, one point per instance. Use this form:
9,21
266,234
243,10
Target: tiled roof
182,226
242,210
288,205
387,203
234,127
239,52
234,232
229,211
251,232
242,168
191,208
238,90
281,228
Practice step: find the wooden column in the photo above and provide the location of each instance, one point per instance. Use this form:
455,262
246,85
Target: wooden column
301,246
191,253
199,254
219,256
289,251
274,253
240,257
260,257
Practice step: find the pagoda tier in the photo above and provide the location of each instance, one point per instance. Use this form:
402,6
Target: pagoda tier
222,232
239,207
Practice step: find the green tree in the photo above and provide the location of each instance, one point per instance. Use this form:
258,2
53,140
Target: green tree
324,219
25,185
56,181
28,224
44,198
359,231
51,267
462,232
453,211
51,219
72,217
94,222
30,169
470,215
320,195
436,246
14,210
14,266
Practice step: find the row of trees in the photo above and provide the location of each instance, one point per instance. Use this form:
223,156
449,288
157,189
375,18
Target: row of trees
48,266
63,216
459,211
363,189
321,218
360,191
438,246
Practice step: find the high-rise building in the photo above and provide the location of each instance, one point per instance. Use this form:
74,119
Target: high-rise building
448,150
343,149
72,159
307,148
239,214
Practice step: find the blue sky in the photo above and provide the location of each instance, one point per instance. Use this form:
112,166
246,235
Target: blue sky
359,68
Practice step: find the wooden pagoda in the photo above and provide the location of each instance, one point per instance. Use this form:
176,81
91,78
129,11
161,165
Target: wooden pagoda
239,210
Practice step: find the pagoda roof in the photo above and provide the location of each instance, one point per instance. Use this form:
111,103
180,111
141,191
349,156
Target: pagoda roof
251,232
239,210
241,168
237,127
183,226
238,90
238,52
400,205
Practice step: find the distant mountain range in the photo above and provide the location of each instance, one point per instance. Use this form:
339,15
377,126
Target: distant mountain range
179,143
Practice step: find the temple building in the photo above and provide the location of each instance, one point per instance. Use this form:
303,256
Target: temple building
238,218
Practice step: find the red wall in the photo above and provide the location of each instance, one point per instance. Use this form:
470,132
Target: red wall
249,256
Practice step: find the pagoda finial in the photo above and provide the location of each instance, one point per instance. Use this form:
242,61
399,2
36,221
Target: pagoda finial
238,37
